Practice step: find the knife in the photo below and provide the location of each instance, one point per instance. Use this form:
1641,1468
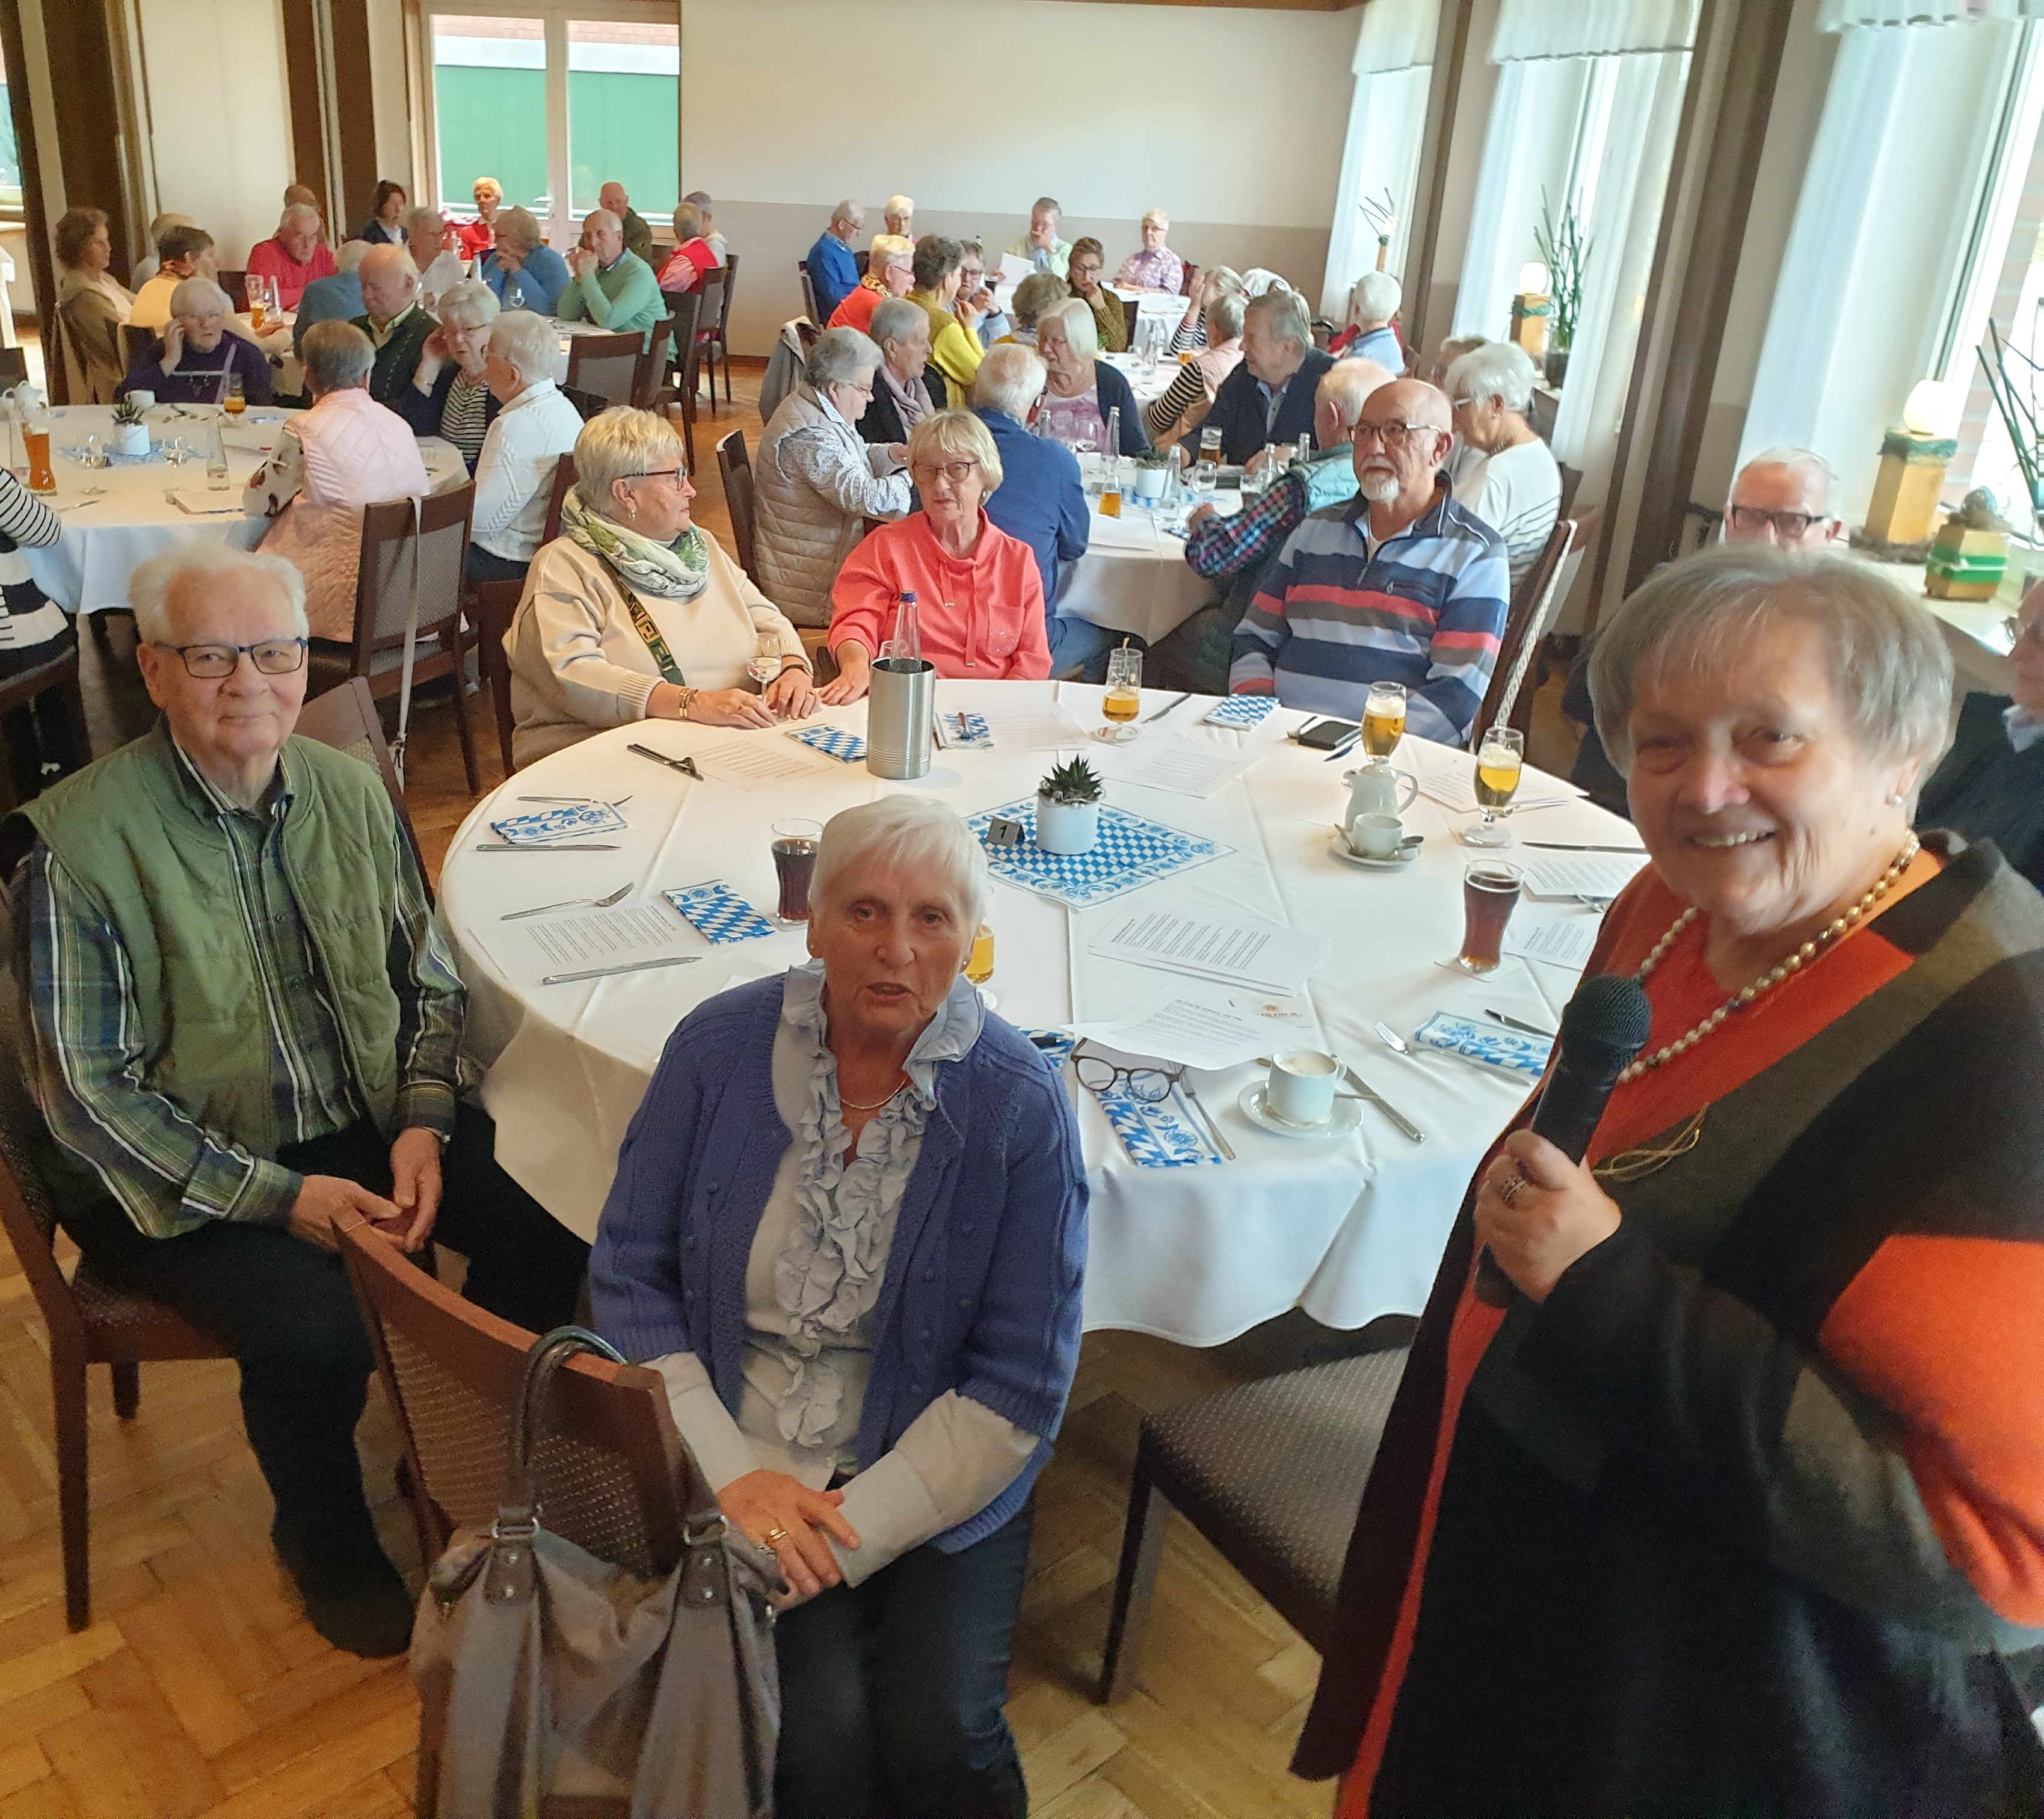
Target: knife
1167,707
1581,846
628,966
1404,1124
1206,1116
1513,1023
687,765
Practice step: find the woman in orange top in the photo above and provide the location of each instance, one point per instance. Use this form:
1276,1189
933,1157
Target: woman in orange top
1733,1508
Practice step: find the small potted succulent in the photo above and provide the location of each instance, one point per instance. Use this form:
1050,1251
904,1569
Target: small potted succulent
1068,808
1149,484
131,433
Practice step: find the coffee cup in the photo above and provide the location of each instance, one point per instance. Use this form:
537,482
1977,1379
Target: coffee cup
146,399
1376,837
1301,1088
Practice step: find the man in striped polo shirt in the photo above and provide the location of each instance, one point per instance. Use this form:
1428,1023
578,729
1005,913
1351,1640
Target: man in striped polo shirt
1402,584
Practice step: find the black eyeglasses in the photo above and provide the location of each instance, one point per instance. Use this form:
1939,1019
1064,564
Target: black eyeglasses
657,474
1098,1074
210,663
1789,526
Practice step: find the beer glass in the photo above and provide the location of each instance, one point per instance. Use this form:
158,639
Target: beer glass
1124,695
1383,719
1490,890
1499,761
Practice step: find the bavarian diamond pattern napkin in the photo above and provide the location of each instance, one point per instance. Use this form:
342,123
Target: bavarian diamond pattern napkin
1131,851
571,821
1242,711
1165,1134
965,731
1526,1055
718,913
833,741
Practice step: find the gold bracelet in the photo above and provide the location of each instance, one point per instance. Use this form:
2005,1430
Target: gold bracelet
688,696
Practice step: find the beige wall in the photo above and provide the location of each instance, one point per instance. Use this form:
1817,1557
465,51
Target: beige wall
1232,118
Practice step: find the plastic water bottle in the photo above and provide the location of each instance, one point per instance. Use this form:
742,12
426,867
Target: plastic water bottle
216,459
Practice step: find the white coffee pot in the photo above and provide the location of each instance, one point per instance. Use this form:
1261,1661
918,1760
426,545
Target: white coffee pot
1376,788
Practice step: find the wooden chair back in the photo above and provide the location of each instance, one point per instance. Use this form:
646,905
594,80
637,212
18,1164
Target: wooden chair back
346,718
722,339
651,373
861,258
564,477
809,293
14,366
1187,283
587,404
607,1471
59,675
1131,308
496,607
1535,601
605,365
236,285
734,468
807,333
135,342
685,311
1571,480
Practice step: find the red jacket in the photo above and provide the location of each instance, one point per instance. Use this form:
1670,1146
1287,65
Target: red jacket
686,264
270,258
981,616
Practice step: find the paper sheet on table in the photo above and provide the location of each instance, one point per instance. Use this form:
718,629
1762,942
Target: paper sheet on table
1014,268
1218,944
1563,940
1449,778
529,950
1185,767
206,505
1134,533
1181,1027
1581,875
754,762
1047,728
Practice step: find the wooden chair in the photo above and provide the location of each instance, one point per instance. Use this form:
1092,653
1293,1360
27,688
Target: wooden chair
58,676
686,308
719,349
861,258
1132,309
734,469
564,477
1187,284
495,605
1272,1473
1571,480
14,367
809,309
708,294
89,1320
606,366
1534,602
586,403
236,285
651,373
346,718
382,605
135,342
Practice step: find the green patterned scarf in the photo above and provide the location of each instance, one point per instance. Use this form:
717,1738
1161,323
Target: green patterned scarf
678,570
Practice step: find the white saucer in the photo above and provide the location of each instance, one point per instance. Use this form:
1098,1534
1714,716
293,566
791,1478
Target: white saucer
1339,848
1344,1118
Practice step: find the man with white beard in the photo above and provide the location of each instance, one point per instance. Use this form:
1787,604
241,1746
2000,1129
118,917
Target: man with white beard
1402,584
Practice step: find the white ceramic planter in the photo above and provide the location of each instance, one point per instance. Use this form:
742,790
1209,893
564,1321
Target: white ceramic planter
1149,486
1067,827
131,439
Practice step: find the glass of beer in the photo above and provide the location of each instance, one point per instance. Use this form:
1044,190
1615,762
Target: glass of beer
42,476
1383,718
794,862
1110,486
1500,759
1125,695
979,964
233,402
1208,470
1490,889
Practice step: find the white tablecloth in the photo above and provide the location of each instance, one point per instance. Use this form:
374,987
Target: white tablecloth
1134,576
287,376
1147,383
1348,1229
107,532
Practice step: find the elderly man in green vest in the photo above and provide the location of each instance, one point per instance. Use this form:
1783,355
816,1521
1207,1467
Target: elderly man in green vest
243,1028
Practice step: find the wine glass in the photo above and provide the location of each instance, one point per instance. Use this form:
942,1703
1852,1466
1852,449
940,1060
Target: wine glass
234,401
1125,695
1501,759
764,663
1383,719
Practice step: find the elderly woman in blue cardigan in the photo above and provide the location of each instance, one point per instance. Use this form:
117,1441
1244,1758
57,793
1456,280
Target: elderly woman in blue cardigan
848,1228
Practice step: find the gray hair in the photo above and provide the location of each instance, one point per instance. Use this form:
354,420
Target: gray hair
907,832
336,355
1074,316
846,212
590,220
1047,205
1891,669
527,341
1040,291
887,248
192,295
1225,312
351,254
621,444
1806,460
295,210
520,224
839,356
1375,297
149,583
900,205
1157,215
892,319
422,217
1010,378
1284,314
1502,370
470,303
688,221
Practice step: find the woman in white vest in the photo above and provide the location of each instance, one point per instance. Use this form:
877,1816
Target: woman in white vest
346,452
816,483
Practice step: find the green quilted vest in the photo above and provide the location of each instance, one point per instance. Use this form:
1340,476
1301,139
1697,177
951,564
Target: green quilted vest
133,833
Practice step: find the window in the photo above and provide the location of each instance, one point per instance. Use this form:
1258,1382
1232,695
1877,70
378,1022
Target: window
554,104
10,158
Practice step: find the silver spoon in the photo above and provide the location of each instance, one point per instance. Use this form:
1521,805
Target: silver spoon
617,896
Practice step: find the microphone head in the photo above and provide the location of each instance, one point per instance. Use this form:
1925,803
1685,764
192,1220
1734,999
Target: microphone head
1609,1010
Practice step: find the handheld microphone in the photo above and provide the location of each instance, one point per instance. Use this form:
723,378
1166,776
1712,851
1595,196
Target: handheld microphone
1603,1026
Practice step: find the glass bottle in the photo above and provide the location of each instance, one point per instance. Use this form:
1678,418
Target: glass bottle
908,639
216,457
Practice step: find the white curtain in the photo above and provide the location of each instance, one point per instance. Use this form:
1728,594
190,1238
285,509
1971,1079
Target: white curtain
1835,15
1387,121
1396,35
1533,28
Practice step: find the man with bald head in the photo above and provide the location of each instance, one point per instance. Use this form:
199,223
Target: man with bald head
1232,551
392,319
833,267
638,236
1400,585
609,284
294,254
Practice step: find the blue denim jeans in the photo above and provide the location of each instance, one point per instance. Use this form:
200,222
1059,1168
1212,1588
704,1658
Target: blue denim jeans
1079,648
891,1691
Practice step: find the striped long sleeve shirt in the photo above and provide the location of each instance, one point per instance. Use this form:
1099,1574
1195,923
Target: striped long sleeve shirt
169,1173
1336,612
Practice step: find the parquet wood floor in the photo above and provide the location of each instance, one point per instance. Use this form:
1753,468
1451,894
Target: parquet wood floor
200,1688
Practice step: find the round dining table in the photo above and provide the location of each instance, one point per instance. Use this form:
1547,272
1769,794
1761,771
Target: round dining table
117,516
1348,1225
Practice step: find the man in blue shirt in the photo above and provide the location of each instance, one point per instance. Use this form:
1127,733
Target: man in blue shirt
833,271
1040,499
337,298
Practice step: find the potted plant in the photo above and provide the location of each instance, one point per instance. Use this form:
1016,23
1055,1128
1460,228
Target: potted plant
1562,246
1068,808
1149,484
131,433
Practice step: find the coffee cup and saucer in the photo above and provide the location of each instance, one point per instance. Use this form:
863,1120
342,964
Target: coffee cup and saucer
1377,843
1296,1099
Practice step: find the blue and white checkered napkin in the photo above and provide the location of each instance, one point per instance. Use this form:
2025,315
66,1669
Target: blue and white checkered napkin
1506,1049
1131,851
551,826
833,741
1056,1044
1165,1134
1241,710
965,731
718,914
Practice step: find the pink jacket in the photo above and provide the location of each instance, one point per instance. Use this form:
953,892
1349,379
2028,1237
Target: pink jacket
353,453
980,618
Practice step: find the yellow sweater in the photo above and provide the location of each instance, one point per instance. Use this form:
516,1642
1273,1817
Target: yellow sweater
953,352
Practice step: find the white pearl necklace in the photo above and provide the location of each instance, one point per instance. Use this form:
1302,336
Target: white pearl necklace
1828,938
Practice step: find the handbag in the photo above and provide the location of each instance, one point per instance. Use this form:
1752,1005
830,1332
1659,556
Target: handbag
545,1674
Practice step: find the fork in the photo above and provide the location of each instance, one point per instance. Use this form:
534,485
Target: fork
617,896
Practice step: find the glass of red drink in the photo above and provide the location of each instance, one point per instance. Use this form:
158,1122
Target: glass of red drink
1490,890
794,861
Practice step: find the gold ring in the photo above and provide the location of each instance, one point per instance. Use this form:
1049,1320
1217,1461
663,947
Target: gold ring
1508,1189
773,1536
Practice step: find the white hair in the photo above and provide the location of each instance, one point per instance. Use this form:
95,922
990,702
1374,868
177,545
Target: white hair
296,210
191,296
590,220
1375,297
149,583
1157,215
470,304
887,248
1806,460
893,318
1502,370
1075,317
1284,314
336,355
911,832
900,205
840,355
620,444
527,341
1010,378
847,212
422,217
351,254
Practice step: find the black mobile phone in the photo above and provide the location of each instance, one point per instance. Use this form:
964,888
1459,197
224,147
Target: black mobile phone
1325,735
